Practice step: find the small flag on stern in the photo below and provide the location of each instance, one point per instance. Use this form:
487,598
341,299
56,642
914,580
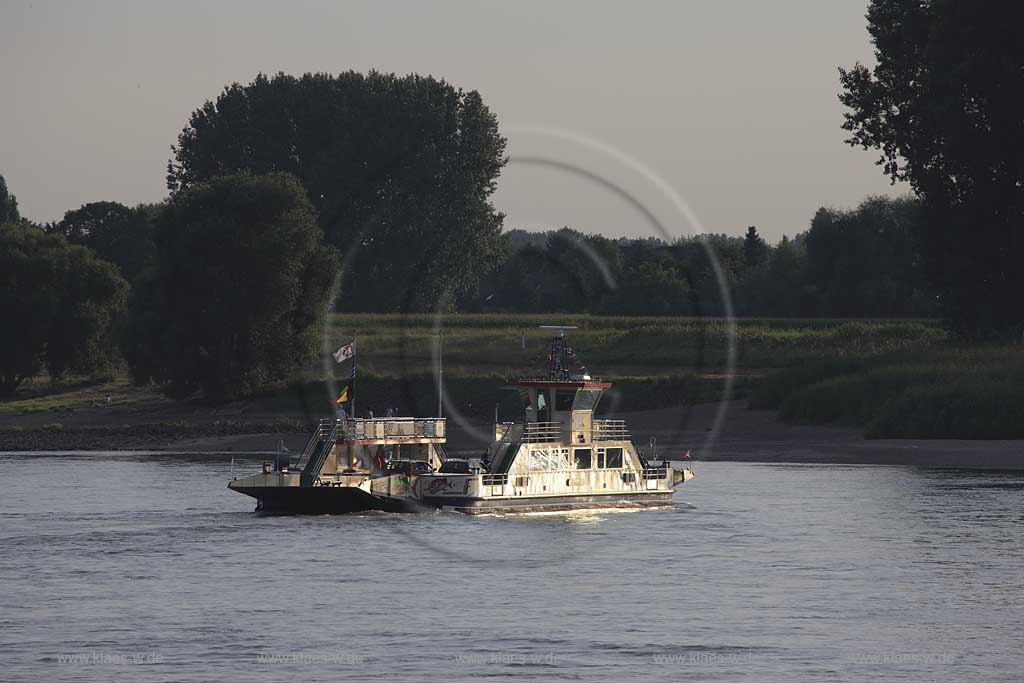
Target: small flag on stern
345,352
345,393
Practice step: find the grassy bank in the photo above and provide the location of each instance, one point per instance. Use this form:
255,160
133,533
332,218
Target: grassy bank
892,378
492,343
940,392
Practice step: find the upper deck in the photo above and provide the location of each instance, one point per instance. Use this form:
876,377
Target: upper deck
389,430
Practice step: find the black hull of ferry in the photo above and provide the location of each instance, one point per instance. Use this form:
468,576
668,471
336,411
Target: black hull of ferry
479,506
338,500
320,500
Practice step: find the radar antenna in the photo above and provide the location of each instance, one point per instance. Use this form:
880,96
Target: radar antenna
560,356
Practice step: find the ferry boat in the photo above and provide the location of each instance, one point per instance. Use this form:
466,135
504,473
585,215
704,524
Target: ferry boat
559,457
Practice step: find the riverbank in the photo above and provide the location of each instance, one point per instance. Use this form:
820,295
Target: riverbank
742,435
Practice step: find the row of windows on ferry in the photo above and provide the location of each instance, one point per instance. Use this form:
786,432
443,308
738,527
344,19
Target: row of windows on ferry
582,459
565,400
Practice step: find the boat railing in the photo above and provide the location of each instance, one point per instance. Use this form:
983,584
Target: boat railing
393,428
655,473
542,432
495,479
323,427
610,430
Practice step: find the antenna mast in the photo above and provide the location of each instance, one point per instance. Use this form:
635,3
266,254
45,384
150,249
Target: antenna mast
440,375
559,364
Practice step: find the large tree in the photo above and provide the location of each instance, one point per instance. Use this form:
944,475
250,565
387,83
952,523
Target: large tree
59,303
240,290
401,170
115,232
943,105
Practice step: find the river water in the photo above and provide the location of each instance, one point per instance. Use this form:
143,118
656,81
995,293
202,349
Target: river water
145,567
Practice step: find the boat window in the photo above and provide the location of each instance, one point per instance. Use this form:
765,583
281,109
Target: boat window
586,399
600,458
454,467
613,457
537,460
581,458
559,459
564,399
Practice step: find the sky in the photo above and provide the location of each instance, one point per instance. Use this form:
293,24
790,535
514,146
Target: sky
710,115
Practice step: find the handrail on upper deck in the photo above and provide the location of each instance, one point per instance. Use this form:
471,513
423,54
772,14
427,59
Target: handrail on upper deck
542,432
392,427
610,430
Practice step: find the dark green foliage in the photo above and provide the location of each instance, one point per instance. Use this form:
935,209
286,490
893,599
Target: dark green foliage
556,271
755,249
771,391
939,392
943,105
400,169
655,288
780,286
865,262
240,291
855,398
115,232
8,205
965,409
857,264
58,303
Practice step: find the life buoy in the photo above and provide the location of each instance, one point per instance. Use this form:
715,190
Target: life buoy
378,462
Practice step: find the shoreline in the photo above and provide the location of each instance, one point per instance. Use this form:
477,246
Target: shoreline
745,436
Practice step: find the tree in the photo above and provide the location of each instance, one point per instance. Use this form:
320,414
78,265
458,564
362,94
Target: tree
240,291
8,204
651,288
755,249
943,105
59,303
400,169
779,287
696,257
866,262
115,232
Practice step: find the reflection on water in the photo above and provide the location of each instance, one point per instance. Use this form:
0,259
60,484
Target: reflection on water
147,567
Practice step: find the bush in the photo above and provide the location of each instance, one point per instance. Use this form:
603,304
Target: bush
969,393
966,409
771,391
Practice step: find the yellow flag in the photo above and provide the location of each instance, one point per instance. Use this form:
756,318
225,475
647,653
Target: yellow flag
343,396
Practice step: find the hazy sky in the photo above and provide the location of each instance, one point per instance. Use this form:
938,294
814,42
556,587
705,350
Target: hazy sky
732,104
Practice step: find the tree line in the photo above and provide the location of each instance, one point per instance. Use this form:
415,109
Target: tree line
223,288
857,263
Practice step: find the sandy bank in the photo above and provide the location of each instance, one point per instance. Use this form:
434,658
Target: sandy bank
743,436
